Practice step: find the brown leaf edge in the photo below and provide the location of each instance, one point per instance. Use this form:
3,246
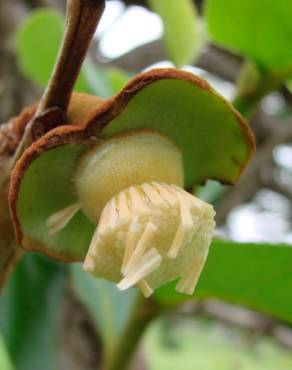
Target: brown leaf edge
80,110
12,132
88,133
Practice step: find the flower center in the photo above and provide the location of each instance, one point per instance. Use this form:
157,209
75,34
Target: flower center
122,162
149,230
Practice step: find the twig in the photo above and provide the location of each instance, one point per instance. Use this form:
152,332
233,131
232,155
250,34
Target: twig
212,59
144,312
81,22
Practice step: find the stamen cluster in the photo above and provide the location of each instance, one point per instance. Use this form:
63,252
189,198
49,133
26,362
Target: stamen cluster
150,234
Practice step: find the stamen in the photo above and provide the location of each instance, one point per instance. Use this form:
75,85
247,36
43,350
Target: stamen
170,188
145,288
194,201
94,240
124,212
130,244
137,203
89,264
151,193
103,221
112,216
185,225
189,281
185,214
57,221
152,252
141,246
128,231
145,268
170,199
177,242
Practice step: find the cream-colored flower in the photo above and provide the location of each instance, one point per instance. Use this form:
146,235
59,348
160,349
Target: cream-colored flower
149,230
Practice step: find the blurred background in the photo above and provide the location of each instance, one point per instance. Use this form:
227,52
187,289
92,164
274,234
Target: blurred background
55,317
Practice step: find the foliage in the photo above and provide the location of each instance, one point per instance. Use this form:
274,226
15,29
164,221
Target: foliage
29,310
45,27
260,30
254,275
109,308
188,342
4,357
181,29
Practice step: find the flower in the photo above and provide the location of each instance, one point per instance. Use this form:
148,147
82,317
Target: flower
109,191
149,230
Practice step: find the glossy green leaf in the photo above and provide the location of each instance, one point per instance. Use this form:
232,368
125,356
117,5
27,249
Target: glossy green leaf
258,276
29,310
181,29
259,29
109,307
5,362
37,43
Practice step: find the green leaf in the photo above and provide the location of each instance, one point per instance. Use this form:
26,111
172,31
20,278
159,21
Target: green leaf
259,29
5,362
181,29
29,309
37,43
258,276
109,307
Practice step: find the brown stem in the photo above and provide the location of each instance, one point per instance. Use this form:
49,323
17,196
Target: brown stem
82,19
144,312
81,22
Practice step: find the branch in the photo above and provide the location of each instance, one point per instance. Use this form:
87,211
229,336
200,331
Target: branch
274,185
81,21
212,59
144,312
